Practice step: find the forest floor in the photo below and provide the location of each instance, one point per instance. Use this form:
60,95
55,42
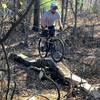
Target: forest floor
27,80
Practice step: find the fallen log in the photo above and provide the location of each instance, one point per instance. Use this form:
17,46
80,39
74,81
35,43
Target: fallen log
36,64
57,71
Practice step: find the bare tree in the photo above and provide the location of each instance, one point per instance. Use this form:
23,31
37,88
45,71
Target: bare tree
66,9
36,15
62,11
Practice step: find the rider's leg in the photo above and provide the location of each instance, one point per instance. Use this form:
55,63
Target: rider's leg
51,34
44,36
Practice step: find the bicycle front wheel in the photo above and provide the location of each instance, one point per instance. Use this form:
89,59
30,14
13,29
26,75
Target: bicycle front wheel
57,50
42,48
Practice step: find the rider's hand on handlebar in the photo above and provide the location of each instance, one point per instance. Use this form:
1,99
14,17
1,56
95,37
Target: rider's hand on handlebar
60,29
44,28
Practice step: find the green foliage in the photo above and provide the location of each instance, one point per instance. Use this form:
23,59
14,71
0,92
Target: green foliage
94,8
45,4
80,3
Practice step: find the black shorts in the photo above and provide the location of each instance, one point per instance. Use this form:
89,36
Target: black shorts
50,32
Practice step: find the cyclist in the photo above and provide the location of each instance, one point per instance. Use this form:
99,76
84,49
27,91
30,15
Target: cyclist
47,23
48,19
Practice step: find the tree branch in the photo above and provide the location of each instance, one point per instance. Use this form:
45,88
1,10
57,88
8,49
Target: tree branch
8,70
50,79
12,95
16,23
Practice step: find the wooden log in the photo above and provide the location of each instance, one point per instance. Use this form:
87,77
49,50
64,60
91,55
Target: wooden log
48,64
57,71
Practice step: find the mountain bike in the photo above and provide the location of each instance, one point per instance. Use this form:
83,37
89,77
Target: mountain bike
51,45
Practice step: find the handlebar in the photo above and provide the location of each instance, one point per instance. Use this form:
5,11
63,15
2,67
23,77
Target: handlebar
58,30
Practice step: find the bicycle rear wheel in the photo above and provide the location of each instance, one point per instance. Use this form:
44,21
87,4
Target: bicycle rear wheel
42,48
57,50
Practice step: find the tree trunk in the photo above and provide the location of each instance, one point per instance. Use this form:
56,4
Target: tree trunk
36,15
75,24
14,2
62,12
66,9
26,24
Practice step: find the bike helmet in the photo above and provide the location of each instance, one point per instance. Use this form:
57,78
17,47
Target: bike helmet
54,6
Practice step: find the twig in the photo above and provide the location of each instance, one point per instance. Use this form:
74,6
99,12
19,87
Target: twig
3,70
8,70
12,95
44,97
69,93
58,90
71,5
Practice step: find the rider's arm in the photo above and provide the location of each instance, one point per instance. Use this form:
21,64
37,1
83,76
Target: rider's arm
60,24
43,24
59,21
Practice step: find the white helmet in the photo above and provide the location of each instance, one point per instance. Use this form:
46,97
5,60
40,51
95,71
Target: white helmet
54,6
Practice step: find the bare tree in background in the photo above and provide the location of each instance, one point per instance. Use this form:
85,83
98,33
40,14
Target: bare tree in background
36,15
14,2
62,11
66,10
